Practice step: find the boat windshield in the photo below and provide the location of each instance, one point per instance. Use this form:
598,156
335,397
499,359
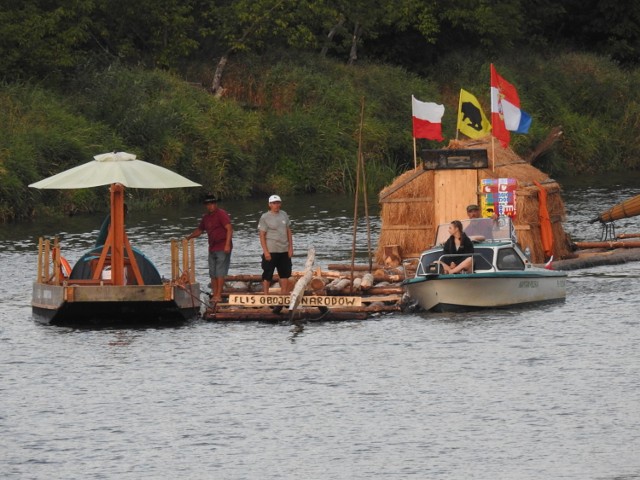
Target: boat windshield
481,229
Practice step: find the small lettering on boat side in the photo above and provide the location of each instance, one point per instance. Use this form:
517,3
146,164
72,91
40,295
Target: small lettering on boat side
528,284
285,300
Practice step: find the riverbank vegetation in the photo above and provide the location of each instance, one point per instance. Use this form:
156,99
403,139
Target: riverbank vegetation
250,98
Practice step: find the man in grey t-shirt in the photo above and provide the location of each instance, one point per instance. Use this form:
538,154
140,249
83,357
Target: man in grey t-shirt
276,240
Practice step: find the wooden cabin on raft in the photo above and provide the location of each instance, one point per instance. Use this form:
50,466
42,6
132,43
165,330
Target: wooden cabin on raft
438,192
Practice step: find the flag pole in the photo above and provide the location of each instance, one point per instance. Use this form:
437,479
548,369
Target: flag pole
459,110
493,155
415,157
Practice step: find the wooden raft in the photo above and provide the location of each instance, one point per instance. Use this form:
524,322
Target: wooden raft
343,292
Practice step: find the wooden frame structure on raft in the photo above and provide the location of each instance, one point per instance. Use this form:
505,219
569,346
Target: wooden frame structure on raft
121,298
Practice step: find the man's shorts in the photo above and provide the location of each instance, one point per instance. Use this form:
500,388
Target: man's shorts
280,261
219,264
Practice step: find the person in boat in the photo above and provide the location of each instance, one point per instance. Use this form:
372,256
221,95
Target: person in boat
276,240
479,227
217,223
458,244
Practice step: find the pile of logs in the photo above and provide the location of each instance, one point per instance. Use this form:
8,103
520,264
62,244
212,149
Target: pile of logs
337,280
363,291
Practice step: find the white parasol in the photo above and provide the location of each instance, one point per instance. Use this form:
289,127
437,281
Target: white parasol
115,167
118,169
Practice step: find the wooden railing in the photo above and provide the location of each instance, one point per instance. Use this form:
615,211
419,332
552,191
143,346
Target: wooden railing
49,271
183,261
49,262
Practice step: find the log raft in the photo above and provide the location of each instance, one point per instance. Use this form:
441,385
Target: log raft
599,253
320,295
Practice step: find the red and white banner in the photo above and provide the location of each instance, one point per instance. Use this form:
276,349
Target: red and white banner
427,119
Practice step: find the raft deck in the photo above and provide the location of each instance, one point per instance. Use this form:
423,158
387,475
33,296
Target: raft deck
340,293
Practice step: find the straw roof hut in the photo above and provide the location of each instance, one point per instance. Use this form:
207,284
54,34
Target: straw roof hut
419,200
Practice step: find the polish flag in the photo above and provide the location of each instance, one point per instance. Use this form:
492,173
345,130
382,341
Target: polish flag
427,119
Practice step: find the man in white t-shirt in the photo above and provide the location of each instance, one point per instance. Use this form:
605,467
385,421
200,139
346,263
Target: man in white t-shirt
276,241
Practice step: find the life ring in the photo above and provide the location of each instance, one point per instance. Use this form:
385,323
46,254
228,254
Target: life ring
65,268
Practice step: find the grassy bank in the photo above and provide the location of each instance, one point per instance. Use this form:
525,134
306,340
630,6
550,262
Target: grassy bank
292,125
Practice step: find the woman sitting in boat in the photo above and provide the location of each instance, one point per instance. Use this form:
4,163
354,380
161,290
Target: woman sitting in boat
458,244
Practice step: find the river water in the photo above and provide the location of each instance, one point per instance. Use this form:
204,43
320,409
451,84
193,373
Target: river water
537,393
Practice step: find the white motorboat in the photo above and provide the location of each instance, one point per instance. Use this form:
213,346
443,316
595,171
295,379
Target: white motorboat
502,274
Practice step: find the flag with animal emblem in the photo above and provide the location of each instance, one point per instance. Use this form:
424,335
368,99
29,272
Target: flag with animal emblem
506,114
427,119
471,118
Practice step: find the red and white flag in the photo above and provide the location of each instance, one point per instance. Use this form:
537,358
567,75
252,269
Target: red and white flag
506,115
427,119
549,264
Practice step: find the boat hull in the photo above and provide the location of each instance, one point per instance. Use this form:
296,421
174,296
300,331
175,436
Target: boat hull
108,305
487,290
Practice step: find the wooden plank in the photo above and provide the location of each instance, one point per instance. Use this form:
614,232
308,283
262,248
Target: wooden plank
118,293
269,316
385,298
330,301
454,190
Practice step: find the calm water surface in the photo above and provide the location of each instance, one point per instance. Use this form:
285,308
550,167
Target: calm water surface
541,393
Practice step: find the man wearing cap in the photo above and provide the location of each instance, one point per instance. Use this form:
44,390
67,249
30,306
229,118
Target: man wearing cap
478,227
217,224
276,240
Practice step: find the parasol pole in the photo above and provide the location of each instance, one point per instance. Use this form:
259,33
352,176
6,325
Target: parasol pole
117,233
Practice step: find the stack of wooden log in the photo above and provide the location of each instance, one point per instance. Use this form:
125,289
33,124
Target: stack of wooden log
337,280
379,290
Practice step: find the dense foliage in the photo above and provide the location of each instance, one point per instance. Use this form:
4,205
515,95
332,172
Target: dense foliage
258,96
40,37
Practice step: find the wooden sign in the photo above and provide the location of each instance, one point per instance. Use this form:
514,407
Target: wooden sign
454,159
284,300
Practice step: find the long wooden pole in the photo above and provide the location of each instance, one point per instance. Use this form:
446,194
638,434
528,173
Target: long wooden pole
301,284
40,260
357,190
415,155
493,155
364,192
458,116
628,244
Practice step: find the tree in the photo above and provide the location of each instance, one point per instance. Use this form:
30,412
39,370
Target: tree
607,27
158,33
360,21
39,37
249,25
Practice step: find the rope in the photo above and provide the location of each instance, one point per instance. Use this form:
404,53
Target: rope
193,297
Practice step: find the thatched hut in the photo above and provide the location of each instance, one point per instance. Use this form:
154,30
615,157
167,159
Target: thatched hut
419,200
